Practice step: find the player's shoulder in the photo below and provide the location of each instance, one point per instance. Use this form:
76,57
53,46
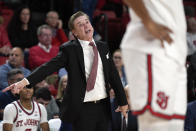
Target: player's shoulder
39,105
11,107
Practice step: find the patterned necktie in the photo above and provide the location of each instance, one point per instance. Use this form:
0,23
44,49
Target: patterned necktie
93,73
124,124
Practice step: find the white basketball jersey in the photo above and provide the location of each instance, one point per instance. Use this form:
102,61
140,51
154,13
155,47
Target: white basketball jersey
25,120
169,13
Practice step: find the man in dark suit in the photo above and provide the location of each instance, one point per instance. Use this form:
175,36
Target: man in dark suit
91,72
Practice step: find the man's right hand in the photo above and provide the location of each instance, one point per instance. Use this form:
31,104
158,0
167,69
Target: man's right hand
16,87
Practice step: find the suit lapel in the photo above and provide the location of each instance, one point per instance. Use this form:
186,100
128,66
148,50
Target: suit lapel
103,59
80,55
102,54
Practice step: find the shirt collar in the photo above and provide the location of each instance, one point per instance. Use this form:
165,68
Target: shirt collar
44,47
85,43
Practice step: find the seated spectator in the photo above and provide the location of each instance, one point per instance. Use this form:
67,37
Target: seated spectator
43,96
58,35
21,31
117,117
191,35
6,98
61,88
46,84
5,45
15,60
190,120
191,29
44,51
117,58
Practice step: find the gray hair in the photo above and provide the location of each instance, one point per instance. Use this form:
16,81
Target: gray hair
40,28
13,72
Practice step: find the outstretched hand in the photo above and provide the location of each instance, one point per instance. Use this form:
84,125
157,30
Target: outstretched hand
8,88
123,110
159,31
16,87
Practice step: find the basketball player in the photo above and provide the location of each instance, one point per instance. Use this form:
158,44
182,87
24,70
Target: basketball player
154,53
25,114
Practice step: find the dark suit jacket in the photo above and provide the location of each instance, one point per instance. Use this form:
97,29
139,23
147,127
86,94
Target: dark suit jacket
71,57
116,122
190,120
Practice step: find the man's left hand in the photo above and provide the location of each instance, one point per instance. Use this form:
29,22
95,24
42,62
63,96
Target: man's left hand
123,110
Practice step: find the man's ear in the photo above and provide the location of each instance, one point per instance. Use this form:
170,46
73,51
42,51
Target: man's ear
74,32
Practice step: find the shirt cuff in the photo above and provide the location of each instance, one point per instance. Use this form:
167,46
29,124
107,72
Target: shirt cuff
25,81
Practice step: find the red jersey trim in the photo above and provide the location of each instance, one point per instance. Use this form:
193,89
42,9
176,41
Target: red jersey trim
148,105
25,110
40,113
16,113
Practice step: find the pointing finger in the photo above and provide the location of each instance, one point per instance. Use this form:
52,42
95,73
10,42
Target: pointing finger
8,88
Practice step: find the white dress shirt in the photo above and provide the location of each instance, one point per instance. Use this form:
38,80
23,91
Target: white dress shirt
99,91
44,47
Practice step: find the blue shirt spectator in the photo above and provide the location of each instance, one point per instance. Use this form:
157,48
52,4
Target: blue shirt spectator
15,60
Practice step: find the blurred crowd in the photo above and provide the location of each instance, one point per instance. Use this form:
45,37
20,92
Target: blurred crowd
31,35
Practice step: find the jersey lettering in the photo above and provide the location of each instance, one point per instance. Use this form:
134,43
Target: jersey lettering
162,100
19,123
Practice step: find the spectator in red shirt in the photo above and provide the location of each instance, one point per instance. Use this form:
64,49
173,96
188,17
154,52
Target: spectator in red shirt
5,45
44,51
58,35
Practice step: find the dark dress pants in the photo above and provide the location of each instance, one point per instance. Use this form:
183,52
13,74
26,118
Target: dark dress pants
93,117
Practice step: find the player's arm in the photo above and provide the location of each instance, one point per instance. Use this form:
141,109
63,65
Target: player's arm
157,30
139,8
7,127
43,122
8,117
44,126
